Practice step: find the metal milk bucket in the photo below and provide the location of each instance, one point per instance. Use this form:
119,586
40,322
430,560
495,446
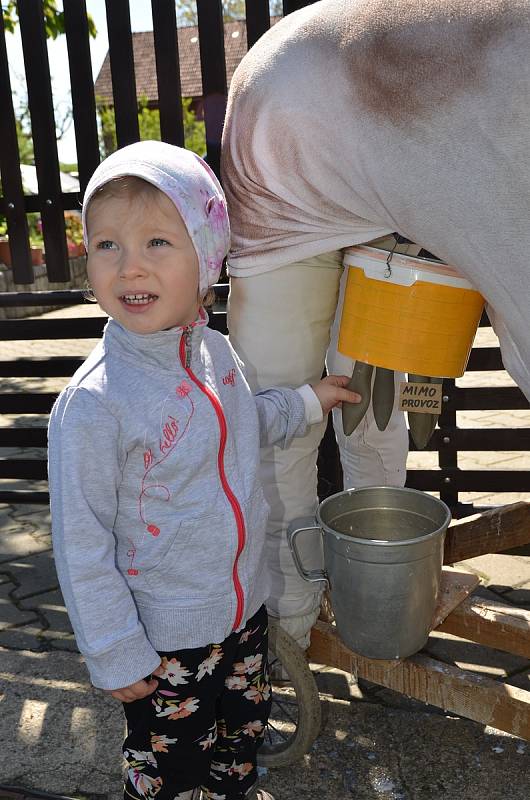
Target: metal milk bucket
383,553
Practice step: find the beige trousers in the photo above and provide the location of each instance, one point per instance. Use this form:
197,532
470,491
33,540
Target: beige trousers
284,326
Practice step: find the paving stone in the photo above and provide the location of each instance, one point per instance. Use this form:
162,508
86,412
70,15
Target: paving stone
499,570
64,644
488,460
38,515
50,605
491,499
31,519
27,637
9,613
10,524
18,545
66,737
33,574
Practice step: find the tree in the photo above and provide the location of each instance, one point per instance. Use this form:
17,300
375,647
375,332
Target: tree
25,144
149,125
63,116
232,10
53,18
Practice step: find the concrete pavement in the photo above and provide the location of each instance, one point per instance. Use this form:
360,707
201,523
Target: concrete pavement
59,735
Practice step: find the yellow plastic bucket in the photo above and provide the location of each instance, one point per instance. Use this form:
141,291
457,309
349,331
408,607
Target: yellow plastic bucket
421,318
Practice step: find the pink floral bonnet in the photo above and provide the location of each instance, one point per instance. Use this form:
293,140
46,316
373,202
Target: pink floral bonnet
192,186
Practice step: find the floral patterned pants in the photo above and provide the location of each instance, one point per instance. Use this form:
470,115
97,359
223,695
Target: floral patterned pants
205,721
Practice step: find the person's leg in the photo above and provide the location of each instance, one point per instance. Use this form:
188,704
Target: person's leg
170,732
279,324
242,713
369,457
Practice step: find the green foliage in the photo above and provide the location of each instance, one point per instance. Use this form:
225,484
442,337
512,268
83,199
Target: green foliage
53,18
148,120
149,124
194,130
35,229
25,143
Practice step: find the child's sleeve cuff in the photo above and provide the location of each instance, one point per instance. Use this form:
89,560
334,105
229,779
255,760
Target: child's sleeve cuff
313,408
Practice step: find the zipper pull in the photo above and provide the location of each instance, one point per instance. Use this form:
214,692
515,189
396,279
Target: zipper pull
187,345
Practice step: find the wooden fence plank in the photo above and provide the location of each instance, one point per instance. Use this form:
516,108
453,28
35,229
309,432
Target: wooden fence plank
82,86
448,455
25,403
69,297
122,71
14,210
485,480
63,297
168,71
484,359
24,329
492,624
491,532
257,19
23,468
482,439
24,496
40,103
294,5
53,367
458,691
74,328
486,398
213,71
23,437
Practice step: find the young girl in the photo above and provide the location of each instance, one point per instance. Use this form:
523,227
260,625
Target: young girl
158,514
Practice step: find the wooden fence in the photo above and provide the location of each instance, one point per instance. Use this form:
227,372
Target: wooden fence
19,475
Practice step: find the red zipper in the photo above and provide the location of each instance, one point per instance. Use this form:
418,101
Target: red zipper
185,357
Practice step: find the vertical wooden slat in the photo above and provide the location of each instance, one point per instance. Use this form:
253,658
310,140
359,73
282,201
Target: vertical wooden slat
82,85
295,5
17,224
447,455
258,19
122,71
40,102
213,70
329,469
168,71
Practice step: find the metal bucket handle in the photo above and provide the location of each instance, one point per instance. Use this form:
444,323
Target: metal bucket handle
299,526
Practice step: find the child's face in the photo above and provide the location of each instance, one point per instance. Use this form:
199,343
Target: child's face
142,266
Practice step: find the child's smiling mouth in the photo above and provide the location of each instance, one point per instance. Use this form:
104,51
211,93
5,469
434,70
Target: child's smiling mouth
138,300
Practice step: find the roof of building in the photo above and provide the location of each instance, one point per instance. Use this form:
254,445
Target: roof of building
235,41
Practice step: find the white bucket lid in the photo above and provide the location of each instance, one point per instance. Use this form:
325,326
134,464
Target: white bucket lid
405,270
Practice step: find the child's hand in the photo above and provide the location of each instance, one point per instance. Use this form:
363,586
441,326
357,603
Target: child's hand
138,690
331,393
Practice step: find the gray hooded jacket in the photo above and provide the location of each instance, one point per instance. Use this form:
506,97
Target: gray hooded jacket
158,516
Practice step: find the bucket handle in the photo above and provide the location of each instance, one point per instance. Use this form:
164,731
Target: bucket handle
299,526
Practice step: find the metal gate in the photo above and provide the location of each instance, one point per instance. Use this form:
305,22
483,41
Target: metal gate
23,410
